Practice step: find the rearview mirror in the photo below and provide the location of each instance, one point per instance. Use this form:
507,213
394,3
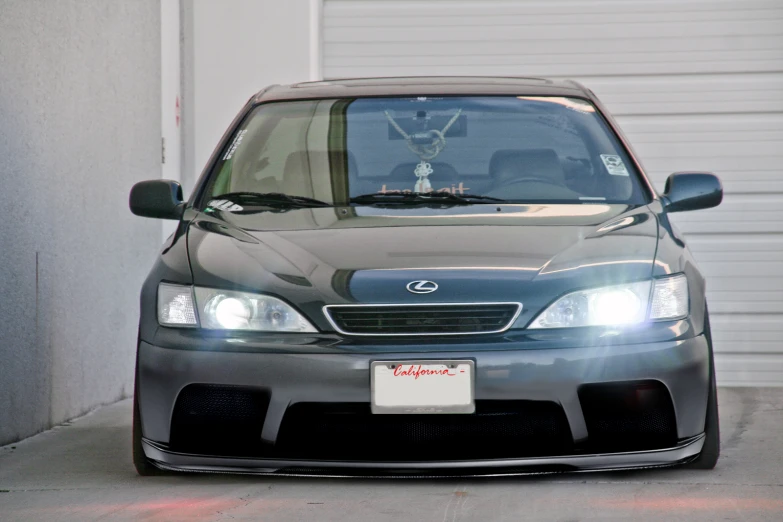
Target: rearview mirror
157,198
692,191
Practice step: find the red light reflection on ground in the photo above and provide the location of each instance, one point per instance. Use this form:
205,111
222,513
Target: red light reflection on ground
693,503
187,508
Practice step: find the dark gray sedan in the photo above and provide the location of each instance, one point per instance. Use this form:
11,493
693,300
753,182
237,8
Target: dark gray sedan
424,276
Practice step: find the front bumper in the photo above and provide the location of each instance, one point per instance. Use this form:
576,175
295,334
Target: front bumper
297,374
682,452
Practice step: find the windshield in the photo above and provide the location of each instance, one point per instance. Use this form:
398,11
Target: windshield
515,149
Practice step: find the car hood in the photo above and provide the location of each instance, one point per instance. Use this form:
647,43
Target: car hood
521,253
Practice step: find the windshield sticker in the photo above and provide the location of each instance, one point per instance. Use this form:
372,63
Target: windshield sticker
224,205
235,144
614,165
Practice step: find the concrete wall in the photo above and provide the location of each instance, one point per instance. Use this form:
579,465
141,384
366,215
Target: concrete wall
232,49
80,122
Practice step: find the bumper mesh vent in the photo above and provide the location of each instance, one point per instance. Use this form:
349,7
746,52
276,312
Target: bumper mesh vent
218,420
437,319
628,416
349,431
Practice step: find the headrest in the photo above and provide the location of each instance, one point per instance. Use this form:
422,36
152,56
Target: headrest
506,165
299,165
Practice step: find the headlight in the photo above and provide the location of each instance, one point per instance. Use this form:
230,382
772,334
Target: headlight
227,310
230,310
665,298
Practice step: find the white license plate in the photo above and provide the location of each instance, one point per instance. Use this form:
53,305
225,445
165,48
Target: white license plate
422,386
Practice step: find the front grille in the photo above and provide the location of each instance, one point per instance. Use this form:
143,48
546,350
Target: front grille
431,319
218,420
349,431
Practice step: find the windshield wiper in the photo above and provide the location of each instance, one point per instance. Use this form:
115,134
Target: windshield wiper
415,198
271,199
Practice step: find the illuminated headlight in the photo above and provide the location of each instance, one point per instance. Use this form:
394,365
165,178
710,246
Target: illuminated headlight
617,305
229,310
226,310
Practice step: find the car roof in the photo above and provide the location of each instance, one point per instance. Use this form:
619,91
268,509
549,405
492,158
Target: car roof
423,86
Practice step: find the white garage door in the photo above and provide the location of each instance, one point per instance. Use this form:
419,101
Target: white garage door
697,85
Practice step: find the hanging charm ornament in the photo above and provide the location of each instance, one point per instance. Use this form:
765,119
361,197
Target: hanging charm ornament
423,170
425,151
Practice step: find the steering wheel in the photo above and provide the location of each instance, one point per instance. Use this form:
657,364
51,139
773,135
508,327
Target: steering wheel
529,179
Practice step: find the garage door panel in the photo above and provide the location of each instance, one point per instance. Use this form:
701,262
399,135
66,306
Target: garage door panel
701,124
746,344
456,15
487,35
732,223
577,67
425,58
772,305
743,378
695,84
762,363
358,8
453,14
729,375
743,349
740,340
761,153
338,51
769,261
727,102
745,151
738,205
727,160
744,296
631,94
738,214
765,325
697,138
740,180
731,103
383,30
736,247
734,276
741,332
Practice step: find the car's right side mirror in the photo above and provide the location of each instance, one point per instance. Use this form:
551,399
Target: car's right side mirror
692,191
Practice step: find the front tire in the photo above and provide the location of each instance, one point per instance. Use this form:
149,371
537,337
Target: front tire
710,452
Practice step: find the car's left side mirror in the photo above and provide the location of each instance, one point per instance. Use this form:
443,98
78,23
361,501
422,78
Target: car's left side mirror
692,191
157,198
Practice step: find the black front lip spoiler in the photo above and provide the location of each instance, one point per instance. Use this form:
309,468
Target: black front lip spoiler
684,451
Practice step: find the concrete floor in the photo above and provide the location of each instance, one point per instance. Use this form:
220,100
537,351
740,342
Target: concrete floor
83,471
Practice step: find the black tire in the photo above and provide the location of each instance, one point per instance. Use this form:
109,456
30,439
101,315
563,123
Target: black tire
143,466
710,452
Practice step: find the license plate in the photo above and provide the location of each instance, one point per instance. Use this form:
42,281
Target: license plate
422,387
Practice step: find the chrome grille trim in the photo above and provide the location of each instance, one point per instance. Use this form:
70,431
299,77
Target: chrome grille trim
326,309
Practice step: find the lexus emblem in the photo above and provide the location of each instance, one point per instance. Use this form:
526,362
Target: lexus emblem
422,287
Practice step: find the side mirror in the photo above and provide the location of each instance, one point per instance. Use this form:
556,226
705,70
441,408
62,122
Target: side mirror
157,198
692,191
